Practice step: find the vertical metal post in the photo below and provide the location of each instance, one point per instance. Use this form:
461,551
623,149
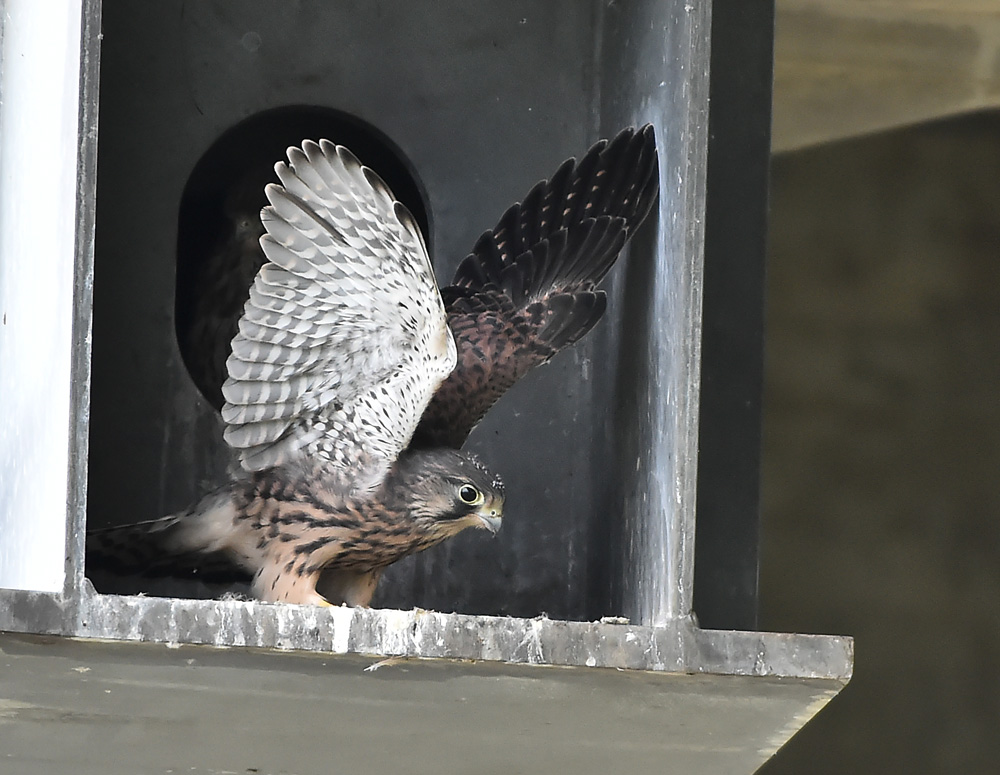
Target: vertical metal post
657,424
83,297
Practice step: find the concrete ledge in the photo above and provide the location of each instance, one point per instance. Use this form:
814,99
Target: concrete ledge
100,707
680,647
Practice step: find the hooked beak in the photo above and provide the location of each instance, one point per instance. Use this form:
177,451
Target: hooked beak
491,516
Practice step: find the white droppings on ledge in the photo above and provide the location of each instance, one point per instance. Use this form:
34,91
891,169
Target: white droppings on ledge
343,618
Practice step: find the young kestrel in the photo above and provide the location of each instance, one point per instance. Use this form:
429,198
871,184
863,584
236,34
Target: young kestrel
347,399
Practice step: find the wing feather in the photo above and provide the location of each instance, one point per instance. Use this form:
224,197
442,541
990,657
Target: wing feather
344,338
528,289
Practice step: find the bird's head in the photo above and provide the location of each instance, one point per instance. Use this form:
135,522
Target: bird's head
446,491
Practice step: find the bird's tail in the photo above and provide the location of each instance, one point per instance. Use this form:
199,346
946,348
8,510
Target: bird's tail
140,548
158,548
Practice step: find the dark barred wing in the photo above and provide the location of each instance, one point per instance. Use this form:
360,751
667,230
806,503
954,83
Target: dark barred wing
528,289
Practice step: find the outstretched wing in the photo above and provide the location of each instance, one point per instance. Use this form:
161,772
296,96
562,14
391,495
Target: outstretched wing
344,338
528,289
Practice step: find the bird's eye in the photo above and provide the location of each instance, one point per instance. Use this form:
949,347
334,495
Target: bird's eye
470,495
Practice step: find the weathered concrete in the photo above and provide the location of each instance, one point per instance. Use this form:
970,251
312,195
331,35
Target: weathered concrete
881,451
679,647
109,708
849,67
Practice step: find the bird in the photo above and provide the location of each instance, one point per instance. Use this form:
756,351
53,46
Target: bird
353,382
286,524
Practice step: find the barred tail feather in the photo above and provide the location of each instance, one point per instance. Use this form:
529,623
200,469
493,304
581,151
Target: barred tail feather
140,548
159,548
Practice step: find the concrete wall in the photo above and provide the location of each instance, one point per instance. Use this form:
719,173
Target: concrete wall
846,67
881,469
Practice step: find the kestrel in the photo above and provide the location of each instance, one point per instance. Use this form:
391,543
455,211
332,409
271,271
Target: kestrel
353,381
